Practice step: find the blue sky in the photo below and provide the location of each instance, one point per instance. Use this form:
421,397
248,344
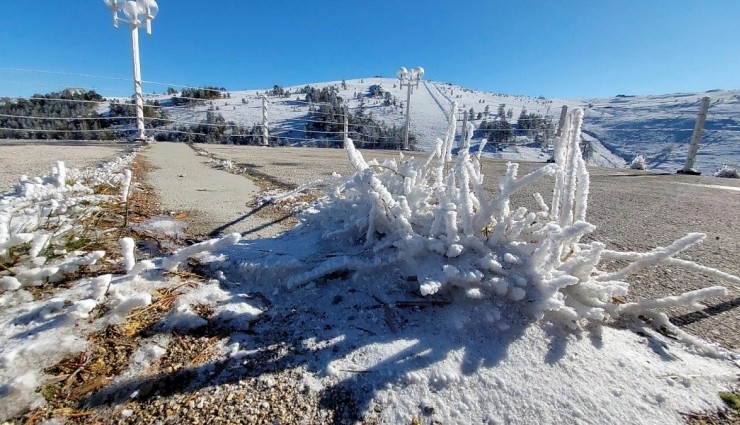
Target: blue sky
572,48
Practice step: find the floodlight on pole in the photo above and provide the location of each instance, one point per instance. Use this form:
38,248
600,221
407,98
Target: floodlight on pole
137,12
410,80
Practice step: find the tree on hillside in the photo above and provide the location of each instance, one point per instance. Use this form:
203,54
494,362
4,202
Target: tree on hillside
535,126
501,113
497,131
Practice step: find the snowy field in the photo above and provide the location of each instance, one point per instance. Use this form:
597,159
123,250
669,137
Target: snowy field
414,292
34,158
616,129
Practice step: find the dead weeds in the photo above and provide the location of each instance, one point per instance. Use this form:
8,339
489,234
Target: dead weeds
75,378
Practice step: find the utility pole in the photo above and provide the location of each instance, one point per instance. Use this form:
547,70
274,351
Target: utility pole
346,126
135,11
410,80
688,167
139,96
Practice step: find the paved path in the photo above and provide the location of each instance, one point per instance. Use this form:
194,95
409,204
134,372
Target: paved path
215,202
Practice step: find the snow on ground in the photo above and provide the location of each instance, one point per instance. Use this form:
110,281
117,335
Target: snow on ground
517,325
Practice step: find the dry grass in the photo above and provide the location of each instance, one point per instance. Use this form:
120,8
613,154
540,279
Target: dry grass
730,415
77,377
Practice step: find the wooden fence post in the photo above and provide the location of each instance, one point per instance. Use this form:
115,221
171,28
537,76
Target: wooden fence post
265,131
688,167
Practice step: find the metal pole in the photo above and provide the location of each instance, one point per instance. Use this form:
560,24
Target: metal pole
138,96
265,132
408,111
688,167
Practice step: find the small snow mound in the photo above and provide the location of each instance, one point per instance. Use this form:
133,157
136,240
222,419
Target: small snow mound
127,305
638,163
727,171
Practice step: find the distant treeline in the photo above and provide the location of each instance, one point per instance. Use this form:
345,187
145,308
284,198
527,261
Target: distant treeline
499,130
73,114
70,114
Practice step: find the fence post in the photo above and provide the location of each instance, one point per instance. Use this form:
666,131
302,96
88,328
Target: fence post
265,131
561,123
464,131
688,167
346,126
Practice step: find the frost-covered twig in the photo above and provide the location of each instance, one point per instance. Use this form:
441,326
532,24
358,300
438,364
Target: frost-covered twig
170,263
125,185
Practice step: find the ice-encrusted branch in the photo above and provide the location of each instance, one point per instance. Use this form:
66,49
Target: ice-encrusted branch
170,263
125,185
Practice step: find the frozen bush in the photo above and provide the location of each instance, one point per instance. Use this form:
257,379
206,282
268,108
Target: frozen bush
638,163
727,171
434,223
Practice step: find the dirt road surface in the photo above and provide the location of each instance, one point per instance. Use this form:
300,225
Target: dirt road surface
37,157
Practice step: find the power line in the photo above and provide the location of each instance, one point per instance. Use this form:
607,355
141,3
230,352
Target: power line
101,118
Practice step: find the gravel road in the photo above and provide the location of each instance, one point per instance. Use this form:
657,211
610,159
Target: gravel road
35,158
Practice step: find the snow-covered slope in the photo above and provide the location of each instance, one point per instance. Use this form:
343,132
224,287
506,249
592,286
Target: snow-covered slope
660,128
615,129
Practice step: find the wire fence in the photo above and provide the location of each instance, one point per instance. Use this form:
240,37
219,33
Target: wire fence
624,124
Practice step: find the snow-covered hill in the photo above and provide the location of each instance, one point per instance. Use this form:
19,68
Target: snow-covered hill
615,129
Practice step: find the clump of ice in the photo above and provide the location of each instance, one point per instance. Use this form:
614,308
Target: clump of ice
727,171
127,251
638,163
170,263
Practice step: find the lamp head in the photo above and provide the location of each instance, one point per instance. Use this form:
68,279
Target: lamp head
150,8
402,73
113,5
419,71
132,10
